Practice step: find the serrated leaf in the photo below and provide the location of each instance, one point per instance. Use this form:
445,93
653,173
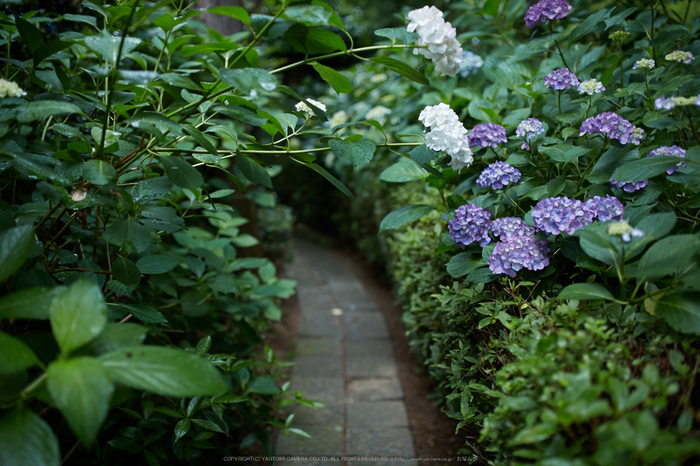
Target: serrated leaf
15,245
463,264
163,371
402,171
681,310
182,173
78,314
26,439
422,155
585,291
402,69
117,336
337,81
644,168
357,152
667,256
81,389
404,215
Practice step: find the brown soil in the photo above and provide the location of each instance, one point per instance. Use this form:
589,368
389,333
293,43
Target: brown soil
433,432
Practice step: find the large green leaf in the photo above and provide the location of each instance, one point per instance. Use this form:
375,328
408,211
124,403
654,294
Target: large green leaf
81,390
404,215
463,264
15,356
182,173
585,291
31,36
402,171
152,188
564,153
38,110
126,271
337,81
595,242
357,152
129,233
157,264
200,138
681,310
164,371
422,155
247,79
235,12
264,385
667,256
31,303
117,336
15,245
46,50
141,312
99,172
26,439
253,171
644,168
309,14
78,314
314,41
402,69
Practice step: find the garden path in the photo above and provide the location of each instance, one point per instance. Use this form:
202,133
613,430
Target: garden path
344,359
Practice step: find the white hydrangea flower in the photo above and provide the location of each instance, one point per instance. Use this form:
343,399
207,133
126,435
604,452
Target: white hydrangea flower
10,89
447,134
590,87
645,64
302,107
378,113
339,118
438,37
378,78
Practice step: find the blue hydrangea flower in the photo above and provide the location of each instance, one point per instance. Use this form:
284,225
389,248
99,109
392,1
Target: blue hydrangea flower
664,103
546,9
628,186
529,129
498,175
613,126
487,134
504,228
470,62
556,215
607,208
518,252
471,223
674,151
561,79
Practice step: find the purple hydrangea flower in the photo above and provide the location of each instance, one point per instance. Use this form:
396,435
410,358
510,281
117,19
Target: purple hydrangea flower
606,208
529,129
561,79
628,186
674,151
664,103
487,134
613,126
471,223
546,9
557,215
506,227
497,175
518,252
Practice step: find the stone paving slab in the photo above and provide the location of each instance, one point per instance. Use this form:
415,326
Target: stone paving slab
371,366
387,441
374,390
318,365
333,414
370,348
319,325
318,346
325,440
377,414
323,389
365,326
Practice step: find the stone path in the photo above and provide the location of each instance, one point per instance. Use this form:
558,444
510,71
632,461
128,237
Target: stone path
344,359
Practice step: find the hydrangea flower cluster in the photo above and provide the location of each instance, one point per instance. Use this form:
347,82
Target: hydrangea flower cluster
645,64
614,127
511,226
628,186
561,79
487,134
590,87
669,103
471,223
498,175
673,151
607,208
556,215
518,252
447,134
470,62
338,118
680,56
546,9
438,37
10,89
302,107
529,129
624,230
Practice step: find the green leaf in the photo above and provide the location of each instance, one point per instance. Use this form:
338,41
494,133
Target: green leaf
117,336
357,152
31,36
78,314
314,41
644,168
26,439
152,188
126,271
463,264
141,312
108,46
182,173
308,14
247,79
81,389
681,310
163,371
595,242
15,356
422,155
15,245
181,428
563,152
404,215
337,81
252,170
154,265
585,291
654,226
200,138
31,303
99,172
589,24
402,171
129,233
667,256
37,110
46,50
402,69
397,34
264,385
235,12
333,180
